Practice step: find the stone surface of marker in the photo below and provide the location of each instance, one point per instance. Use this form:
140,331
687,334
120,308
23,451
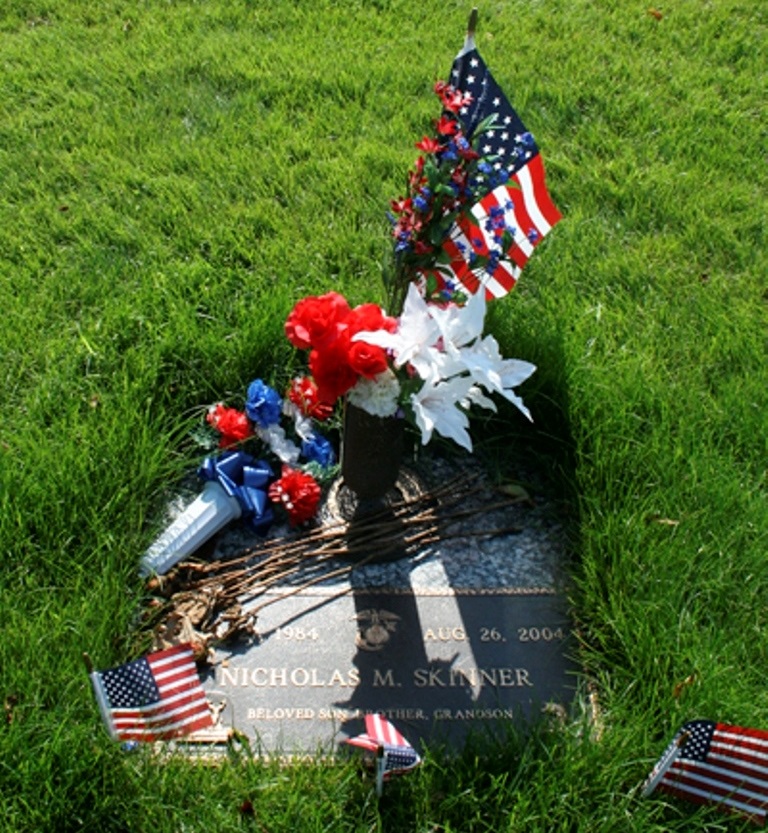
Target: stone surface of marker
460,638
438,665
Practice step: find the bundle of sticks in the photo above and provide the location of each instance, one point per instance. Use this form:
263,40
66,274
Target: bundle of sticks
210,602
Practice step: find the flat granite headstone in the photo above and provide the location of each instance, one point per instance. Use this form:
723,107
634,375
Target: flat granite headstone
465,636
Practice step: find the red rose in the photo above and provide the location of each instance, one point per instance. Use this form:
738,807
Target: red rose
298,493
367,359
331,370
315,319
304,394
369,317
233,425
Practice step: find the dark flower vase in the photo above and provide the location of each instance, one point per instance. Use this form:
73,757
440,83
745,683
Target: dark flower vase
371,453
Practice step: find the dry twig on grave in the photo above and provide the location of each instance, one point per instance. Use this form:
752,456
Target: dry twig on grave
211,602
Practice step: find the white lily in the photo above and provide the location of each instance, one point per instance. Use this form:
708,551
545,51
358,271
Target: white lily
477,397
515,371
436,407
445,347
488,368
435,365
416,334
460,326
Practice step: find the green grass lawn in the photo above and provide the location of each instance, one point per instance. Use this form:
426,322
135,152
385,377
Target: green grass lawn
175,174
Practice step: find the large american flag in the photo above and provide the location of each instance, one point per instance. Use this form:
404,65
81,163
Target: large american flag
526,212
394,754
157,697
716,763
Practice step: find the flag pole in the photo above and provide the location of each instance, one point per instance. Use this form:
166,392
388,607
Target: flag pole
469,40
88,663
381,765
472,25
664,765
101,698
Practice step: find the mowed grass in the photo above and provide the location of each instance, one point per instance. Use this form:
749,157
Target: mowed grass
175,175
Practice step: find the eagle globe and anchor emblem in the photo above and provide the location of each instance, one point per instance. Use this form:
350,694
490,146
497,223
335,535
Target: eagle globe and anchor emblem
375,628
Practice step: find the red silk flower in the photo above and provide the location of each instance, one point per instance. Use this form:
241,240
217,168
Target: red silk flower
315,319
429,145
233,425
325,324
298,493
447,126
305,396
367,359
452,98
331,369
369,317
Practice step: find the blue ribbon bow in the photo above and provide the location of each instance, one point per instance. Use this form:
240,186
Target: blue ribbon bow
247,480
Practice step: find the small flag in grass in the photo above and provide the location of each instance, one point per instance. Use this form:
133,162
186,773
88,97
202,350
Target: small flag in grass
394,755
716,763
157,697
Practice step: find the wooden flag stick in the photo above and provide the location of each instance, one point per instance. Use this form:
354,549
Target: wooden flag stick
469,40
472,25
381,765
88,663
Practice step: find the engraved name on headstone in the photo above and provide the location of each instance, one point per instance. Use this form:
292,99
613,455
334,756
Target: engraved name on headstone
439,665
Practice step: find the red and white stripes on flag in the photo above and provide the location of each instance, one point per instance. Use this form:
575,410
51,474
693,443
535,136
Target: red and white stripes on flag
157,697
382,738
528,210
379,732
515,216
717,763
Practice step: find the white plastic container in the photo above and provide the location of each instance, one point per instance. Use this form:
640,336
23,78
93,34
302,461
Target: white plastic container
201,520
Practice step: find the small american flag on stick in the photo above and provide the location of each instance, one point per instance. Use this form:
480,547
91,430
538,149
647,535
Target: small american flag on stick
394,755
513,218
716,763
157,697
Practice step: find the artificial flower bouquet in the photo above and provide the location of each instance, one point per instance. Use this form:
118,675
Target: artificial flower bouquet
449,177
282,432
427,361
430,365
306,457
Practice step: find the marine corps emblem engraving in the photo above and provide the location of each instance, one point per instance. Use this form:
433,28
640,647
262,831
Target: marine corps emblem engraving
374,628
